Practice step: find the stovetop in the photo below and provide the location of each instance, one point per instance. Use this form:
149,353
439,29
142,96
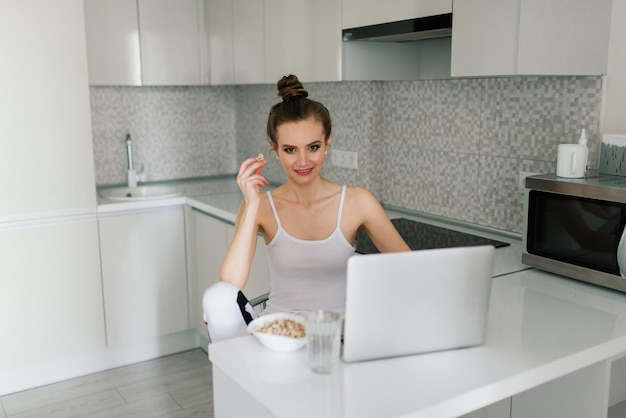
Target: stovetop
422,236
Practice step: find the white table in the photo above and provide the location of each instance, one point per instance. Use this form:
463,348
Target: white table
549,345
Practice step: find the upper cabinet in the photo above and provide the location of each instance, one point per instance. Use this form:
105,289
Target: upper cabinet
170,37
530,37
236,41
358,13
189,42
303,37
113,42
256,41
146,42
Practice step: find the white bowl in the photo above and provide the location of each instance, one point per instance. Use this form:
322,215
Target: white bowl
277,342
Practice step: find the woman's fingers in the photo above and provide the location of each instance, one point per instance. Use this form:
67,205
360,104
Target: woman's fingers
249,178
245,165
254,181
251,166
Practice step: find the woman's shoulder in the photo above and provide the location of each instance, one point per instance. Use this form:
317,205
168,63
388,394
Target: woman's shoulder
359,194
360,200
278,192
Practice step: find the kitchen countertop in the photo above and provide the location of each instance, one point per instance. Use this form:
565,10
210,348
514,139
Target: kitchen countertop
221,197
218,196
541,328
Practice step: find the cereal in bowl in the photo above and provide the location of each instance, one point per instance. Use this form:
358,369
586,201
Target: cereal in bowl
285,327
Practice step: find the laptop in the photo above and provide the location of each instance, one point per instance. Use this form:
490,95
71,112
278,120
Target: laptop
416,302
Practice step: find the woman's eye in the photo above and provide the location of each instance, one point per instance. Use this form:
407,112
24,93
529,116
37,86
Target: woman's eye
288,150
314,147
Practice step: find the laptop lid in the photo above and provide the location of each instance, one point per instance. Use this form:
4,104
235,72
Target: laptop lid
415,302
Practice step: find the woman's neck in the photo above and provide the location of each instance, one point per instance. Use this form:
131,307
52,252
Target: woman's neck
306,195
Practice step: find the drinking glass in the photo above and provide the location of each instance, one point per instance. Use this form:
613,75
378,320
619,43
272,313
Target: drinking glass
323,332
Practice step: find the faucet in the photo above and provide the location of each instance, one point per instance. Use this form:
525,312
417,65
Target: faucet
132,175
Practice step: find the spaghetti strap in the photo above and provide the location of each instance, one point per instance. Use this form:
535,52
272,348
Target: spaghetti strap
269,196
343,195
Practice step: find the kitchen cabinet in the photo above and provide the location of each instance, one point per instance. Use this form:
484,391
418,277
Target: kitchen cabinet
146,42
211,238
500,409
112,33
219,18
356,13
51,299
144,274
170,38
530,37
46,153
211,241
302,37
236,41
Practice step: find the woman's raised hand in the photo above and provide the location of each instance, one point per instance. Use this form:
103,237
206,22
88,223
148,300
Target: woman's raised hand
249,178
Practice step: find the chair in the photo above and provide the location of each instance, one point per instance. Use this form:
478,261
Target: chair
260,302
222,312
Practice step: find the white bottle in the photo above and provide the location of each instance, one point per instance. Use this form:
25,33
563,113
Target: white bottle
583,138
583,142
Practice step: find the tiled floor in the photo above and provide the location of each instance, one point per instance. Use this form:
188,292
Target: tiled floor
177,386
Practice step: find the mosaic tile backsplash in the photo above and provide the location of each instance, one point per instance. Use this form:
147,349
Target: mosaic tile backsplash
452,148
177,132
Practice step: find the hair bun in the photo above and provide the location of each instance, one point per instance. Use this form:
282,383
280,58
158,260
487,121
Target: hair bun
290,88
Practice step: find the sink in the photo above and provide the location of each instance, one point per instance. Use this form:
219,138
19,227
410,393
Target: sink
139,193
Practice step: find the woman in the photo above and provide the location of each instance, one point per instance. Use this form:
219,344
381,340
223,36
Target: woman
309,223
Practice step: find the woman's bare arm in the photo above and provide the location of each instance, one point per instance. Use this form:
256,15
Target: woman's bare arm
235,267
377,224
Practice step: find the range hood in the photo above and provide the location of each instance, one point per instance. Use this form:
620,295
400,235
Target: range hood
403,31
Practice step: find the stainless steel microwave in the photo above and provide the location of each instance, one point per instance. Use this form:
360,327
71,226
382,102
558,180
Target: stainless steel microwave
573,227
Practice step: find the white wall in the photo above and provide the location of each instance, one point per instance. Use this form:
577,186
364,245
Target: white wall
614,116
614,121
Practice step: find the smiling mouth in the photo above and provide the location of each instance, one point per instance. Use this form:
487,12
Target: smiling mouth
304,172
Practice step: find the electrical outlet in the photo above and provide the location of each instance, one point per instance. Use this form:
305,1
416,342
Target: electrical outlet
347,159
522,178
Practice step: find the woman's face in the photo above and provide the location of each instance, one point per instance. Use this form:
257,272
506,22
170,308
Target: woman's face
301,149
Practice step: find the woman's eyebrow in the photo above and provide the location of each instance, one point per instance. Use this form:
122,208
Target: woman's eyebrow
318,141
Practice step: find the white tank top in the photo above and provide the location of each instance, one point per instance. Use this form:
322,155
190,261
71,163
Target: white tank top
308,274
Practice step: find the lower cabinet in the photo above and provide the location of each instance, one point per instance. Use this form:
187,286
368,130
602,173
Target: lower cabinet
144,274
210,237
500,409
50,302
210,240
